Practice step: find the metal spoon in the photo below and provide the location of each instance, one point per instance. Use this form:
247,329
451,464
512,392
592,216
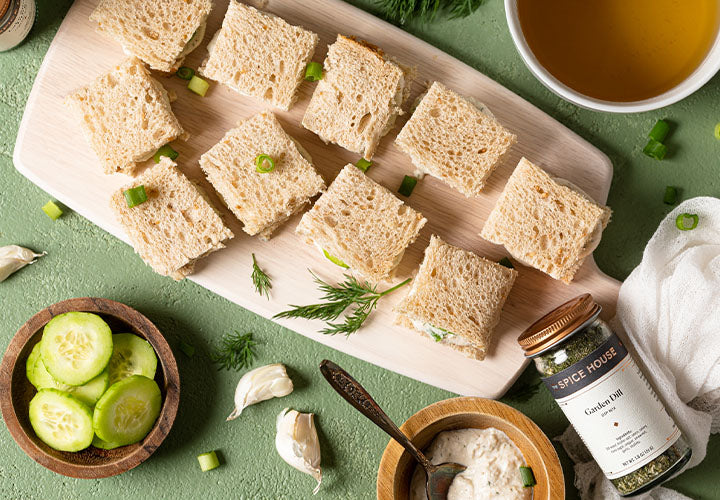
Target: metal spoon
439,476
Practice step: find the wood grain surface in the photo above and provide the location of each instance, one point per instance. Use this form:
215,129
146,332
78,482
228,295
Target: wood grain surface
52,152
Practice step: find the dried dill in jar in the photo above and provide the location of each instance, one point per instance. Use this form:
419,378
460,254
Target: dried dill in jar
606,397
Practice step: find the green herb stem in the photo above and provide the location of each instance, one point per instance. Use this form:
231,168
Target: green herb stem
236,351
260,280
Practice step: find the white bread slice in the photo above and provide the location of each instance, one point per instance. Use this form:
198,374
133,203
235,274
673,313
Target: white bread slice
545,222
160,32
358,98
125,115
459,292
361,223
259,55
261,201
176,226
450,138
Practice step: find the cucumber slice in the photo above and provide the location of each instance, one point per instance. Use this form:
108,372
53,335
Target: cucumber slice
61,421
30,365
103,445
131,355
127,411
76,347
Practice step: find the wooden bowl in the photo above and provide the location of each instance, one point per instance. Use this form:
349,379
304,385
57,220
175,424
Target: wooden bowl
16,392
396,467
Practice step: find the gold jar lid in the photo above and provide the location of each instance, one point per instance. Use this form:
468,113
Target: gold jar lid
558,324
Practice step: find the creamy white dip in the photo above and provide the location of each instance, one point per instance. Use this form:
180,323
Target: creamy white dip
493,466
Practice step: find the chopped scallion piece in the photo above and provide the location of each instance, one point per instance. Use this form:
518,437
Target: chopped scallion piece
313,72
717,131
335,260
659,131
655,149
187,349
185,73
135,196
198,85
670,195
208,461
264,164
528,478
166,150
506,262
683,220
363,164
52,210
407,186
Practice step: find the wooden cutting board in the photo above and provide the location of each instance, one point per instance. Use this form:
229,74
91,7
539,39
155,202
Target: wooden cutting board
52,152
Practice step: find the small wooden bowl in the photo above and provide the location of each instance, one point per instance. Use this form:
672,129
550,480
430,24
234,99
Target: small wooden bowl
396,467
16,392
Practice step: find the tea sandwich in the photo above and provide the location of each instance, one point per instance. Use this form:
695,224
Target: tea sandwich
359,97
359,224
547,223
455,139
176,226
161,33
259,55
456,298
126,116
261,200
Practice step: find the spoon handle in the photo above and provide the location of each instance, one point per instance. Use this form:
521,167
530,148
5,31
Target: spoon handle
351,390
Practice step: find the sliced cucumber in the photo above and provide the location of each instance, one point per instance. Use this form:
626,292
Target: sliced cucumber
61,421
127,411
32,360
76,347
88,393
103,445
131,355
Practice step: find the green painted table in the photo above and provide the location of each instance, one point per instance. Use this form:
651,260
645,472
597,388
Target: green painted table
84,260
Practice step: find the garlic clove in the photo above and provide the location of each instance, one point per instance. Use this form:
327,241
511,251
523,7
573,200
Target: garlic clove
260,384
297,443
14,257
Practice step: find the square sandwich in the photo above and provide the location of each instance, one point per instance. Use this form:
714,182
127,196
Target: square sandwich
358,98
454,139
160,32
546,223
261,200
359,224
176,226
456,298
259,55
125,115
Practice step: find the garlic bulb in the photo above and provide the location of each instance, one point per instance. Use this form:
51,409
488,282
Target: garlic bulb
14,258
297,443
262,383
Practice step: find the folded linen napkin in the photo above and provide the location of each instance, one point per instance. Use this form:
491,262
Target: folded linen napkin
669,307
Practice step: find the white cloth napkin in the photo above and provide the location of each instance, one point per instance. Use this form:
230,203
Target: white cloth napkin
669,307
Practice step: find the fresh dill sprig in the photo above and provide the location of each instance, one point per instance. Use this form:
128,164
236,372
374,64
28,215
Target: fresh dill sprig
425,10
336,299
260,280
236,351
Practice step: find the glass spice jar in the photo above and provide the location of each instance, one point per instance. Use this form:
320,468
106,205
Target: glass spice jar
16,19
605,396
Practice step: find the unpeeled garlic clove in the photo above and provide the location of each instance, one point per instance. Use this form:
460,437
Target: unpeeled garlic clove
297,443
14,257
270,381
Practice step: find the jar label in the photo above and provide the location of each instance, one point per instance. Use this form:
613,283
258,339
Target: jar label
614,409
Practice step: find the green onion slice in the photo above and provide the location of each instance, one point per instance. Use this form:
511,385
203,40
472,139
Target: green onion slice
528,478
135,196
670,195
52,210
659,131
313,72
363,164
198,85
717,131
166,150
682,221
506,262
264,164
187,349
185,73
407,186
335,260
208,461
655,149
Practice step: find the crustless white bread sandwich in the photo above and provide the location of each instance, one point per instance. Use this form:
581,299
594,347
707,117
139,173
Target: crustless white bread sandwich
176,226
160,32
125,115
259,55
454,139
456,298
360,95
545,222
359,224
261,200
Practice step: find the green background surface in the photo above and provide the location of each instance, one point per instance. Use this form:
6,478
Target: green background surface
83,260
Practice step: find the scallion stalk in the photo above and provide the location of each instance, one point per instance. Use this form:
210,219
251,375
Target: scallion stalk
52,210
198,85
260,164
717,131
670,195
313,72
208,461
185,73
407,185
165,150
363,164
681,222
506,262
135,196
528,478
659,131
655,149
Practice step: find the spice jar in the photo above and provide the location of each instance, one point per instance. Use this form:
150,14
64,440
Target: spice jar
605,396
16,19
